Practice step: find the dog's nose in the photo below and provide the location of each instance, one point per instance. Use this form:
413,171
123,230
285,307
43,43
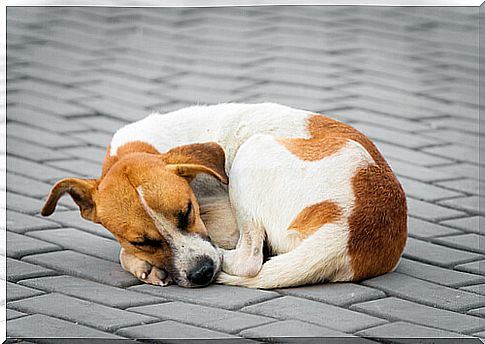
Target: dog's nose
202,274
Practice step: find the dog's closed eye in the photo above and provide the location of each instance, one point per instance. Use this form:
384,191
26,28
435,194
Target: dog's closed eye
183,217
147,242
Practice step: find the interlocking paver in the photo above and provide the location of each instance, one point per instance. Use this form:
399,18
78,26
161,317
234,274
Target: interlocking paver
437,254
289,307
436,274
396,309
423,229
173,332
38,326
76,240
431,294
339,294
11,314
81,265
21,223
467,224
91,291
74,219
80,311
212,318
403,332
408,77
17,292
18,270
19,245
214,295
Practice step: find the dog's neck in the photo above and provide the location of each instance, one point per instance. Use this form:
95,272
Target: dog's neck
229,125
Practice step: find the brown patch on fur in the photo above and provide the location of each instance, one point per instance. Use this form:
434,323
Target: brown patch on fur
313,149
313,217
378,222
127,148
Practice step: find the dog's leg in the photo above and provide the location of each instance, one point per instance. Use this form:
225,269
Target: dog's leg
144,271
320,257
247,258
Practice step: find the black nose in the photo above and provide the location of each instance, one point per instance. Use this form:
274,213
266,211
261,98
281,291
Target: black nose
202,274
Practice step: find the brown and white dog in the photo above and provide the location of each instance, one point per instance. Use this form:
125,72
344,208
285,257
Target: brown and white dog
316,191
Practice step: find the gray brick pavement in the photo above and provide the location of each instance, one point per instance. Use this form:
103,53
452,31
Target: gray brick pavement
405,76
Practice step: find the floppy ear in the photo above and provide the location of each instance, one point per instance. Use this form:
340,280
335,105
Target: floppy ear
81,191
189,160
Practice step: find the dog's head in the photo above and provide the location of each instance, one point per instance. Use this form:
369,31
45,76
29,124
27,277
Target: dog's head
147,202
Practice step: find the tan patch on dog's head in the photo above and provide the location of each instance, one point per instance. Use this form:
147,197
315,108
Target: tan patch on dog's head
114,202
315,216
313,149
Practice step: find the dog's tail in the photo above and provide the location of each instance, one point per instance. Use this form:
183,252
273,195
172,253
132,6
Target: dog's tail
321,257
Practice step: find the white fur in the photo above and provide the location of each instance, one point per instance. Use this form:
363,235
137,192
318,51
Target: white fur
268,185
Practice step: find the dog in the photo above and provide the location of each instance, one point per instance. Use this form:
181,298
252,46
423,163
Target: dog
203,189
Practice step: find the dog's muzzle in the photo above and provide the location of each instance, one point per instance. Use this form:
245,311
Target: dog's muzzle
203,273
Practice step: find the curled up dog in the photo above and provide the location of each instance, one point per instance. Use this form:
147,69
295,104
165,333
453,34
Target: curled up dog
203,189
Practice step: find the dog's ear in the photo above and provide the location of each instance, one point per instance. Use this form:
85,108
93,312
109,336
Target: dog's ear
82,192
189,160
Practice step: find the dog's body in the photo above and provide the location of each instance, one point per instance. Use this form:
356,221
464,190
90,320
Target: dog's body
316,190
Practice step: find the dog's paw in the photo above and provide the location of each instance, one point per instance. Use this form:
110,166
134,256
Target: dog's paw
238,263
155,276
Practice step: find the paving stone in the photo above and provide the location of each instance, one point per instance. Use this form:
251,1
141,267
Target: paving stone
43,120
423,229
106,124
41,136
19,245
478,288
80,265
76,240
425,191
467,224
469,204
34,170
11,314
396,309
92,291
289,307
469,242
74,219
430,294
293,329
26,186
454,136
471,186
17,292
22,149
460,169
455,152
171,330
339,294
25,204
409,155
93,138
215,295
42,326
479,312
80,311
437,274
21,223
18,270
92,154
430,212
79,168
436,254
403,332
212,318
473,267
424,174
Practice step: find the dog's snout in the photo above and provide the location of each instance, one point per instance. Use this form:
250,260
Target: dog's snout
202,273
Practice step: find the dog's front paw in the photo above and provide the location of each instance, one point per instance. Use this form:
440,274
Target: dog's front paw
155,276
238,263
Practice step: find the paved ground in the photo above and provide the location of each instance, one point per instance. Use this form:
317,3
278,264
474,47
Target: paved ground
407,77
